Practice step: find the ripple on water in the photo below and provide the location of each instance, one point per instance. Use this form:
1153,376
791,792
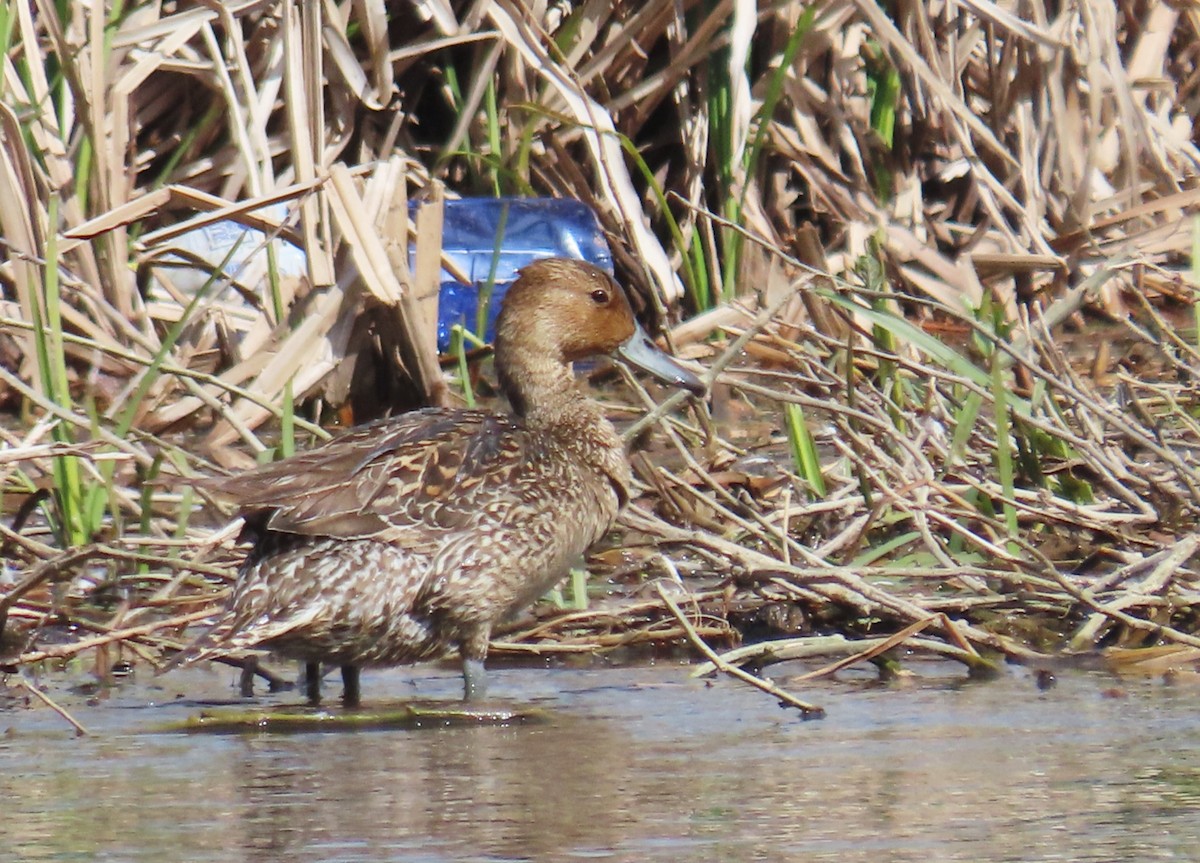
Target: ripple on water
637,764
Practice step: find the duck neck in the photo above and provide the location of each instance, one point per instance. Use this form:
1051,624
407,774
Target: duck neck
547,398
543,392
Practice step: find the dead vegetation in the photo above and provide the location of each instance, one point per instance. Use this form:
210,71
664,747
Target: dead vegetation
877,228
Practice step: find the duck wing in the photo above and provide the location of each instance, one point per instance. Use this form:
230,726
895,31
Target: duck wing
400,480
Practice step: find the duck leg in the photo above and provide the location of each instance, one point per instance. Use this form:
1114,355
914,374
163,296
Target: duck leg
474,680
246,679
474,652
312,682
350,691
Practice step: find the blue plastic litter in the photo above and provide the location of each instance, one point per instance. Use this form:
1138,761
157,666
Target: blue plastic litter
490,239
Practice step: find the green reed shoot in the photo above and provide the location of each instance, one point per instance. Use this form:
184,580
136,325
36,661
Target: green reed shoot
98,496
483,301
287,423
964,421
870,270
1042,445
694,270
762,117
8,21
273,282
52,371
493,135
695,274
1004,456
579,594
578,589
805,459
459,336
487,167
883,92
722,152
883,550
906,332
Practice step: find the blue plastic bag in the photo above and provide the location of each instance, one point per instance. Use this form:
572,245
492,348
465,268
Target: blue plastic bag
490,239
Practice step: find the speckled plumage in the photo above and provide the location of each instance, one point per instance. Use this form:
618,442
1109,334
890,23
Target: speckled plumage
412,535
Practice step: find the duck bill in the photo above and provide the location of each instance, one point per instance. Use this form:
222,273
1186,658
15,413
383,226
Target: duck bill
643,354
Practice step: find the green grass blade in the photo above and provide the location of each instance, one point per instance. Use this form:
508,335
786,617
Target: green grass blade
493,135
52,365
804,450
775,89
930,345
964,421
150,374
458,350
696,287
1004,445
483,300
579,594
883,550
287,423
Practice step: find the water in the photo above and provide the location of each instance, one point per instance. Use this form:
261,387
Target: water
637,764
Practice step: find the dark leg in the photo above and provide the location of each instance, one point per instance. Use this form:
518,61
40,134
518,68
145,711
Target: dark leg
312,682
246,681
275,683
350,690
252,667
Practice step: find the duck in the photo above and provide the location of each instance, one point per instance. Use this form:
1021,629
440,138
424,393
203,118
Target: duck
411,537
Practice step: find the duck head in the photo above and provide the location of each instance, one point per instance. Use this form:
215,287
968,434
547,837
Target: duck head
560,310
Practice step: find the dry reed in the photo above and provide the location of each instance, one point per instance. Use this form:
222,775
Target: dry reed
880,225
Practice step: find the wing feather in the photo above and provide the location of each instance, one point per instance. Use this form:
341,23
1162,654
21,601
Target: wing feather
426,469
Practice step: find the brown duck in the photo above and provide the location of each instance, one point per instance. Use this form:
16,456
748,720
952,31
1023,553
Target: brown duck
413,535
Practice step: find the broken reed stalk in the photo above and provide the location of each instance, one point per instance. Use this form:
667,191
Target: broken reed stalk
870,652
764,653
80,730
909,430
786,699
62,651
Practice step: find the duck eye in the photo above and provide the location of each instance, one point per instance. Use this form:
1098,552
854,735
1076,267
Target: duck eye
599,296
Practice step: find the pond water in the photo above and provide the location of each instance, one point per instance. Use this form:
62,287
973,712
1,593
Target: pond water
635,764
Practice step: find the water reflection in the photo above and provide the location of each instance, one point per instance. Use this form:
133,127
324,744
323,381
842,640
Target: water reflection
634,766
518,792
